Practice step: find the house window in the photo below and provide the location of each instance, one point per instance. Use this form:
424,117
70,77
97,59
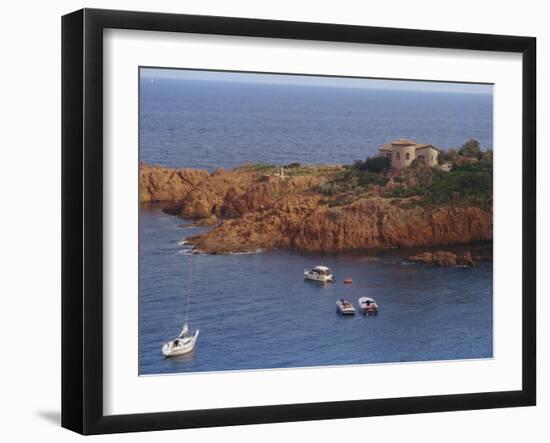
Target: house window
397,156
420,157
388,156
407,156
432,158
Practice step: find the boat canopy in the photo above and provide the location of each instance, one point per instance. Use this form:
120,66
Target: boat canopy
322,270
366,299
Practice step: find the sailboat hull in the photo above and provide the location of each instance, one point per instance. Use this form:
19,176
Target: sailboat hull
180,346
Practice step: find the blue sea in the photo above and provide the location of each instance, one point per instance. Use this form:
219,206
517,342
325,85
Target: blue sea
208,124
255,311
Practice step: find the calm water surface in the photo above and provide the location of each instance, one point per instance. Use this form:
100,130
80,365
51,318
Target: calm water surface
256,311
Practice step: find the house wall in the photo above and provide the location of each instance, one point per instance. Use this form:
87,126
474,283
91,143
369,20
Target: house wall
430,155
399,156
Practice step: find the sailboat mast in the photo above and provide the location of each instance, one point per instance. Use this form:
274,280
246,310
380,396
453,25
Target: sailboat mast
189,287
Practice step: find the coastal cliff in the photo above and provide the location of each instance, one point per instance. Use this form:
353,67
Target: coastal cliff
312,209
158,184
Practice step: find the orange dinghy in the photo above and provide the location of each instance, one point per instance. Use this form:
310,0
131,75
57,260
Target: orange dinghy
348,281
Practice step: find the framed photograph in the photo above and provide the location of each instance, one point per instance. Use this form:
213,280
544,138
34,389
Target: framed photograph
269,221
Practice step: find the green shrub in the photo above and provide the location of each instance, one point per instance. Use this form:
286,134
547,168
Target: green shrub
357,164
376,164
471,149
481,166
447,156
399,179
258,167
471,182
352,180
403,192
366,178
334,187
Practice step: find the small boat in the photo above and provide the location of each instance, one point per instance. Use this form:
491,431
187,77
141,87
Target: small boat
368,306
319,273
348,281
183,344
345,307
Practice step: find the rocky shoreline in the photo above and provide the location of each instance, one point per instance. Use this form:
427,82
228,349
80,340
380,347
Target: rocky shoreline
447,259
249,209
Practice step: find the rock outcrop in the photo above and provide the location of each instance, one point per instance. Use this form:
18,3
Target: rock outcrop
304,223
444,258
249,210
158,184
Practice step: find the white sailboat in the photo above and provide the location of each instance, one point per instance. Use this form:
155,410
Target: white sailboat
183,343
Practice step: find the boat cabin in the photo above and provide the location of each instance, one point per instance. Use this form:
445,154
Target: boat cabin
322,270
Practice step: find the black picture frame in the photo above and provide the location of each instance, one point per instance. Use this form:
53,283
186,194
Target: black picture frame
82,219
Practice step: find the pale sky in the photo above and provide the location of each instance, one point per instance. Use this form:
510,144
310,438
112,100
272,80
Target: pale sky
301,80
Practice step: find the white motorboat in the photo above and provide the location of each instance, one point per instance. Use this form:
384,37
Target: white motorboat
345,307
368,306
183,343
319,273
